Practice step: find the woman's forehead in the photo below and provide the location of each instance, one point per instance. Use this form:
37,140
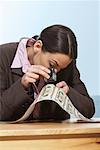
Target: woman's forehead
61,60
59,57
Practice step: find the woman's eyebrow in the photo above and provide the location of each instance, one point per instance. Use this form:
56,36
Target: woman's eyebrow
56,63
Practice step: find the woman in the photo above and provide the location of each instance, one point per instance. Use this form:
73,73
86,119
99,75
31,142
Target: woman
27,63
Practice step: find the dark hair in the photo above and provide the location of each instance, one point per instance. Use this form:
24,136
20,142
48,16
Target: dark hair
59,39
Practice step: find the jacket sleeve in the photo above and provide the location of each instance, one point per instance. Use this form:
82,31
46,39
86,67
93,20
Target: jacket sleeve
11,97
12,100
79,95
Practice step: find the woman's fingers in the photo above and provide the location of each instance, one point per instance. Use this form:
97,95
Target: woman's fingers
66,89
26,79
40,70
63,85
33,73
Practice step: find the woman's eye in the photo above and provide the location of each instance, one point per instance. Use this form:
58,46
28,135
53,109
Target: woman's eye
51,64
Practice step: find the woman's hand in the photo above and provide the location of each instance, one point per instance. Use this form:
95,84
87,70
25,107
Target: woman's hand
33,74
63,85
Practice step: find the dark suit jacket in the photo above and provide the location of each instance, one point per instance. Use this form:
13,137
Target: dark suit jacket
14,99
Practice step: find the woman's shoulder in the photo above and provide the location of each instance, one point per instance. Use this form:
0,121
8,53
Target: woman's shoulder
8,50
8,47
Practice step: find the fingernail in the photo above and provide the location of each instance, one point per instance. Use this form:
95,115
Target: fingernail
49,70
56,70
48,77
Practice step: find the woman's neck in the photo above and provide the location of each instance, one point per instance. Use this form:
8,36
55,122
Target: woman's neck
30,54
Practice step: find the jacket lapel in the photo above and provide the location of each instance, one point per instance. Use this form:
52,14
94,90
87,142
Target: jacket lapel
17,71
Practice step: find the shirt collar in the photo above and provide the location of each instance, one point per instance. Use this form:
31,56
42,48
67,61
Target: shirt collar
21,58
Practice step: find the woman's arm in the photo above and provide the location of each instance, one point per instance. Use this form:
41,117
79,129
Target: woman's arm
79,95
69,80
12,93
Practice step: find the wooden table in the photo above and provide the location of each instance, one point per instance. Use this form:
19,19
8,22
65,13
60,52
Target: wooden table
50,136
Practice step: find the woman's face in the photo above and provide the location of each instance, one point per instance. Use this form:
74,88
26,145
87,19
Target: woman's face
57,60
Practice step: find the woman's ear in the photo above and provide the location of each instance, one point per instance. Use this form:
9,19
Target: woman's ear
38,46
